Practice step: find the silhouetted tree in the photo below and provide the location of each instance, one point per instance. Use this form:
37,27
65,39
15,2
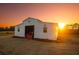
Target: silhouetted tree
11,28
1,29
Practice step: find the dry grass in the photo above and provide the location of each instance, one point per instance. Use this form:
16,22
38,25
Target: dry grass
17,46
4,33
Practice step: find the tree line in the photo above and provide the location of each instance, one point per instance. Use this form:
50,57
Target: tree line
11,28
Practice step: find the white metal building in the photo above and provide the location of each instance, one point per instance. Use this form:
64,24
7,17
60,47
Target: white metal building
32,28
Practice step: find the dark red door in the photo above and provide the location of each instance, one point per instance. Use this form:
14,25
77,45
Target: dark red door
29,32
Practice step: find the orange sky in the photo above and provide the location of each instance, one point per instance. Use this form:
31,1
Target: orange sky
13,14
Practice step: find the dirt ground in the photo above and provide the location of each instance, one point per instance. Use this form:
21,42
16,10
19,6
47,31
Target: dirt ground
67,45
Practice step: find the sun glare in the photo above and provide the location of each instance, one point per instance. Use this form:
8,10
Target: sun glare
61,25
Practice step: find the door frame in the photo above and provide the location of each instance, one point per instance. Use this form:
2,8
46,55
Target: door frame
27,33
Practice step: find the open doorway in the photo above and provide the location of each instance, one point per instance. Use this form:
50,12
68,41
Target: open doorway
29,32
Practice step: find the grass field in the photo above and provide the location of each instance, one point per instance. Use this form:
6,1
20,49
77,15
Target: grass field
66,45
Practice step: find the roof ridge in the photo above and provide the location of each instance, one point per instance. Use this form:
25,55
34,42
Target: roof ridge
32,18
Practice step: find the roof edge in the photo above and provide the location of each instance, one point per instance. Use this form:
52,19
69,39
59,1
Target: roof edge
32,18
37,20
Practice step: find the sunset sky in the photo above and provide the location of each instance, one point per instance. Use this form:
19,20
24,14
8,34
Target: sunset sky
13,14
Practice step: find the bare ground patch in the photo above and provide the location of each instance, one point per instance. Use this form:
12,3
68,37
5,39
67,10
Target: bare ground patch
68,45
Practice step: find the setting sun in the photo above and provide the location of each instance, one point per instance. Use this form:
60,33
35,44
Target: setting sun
61,25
